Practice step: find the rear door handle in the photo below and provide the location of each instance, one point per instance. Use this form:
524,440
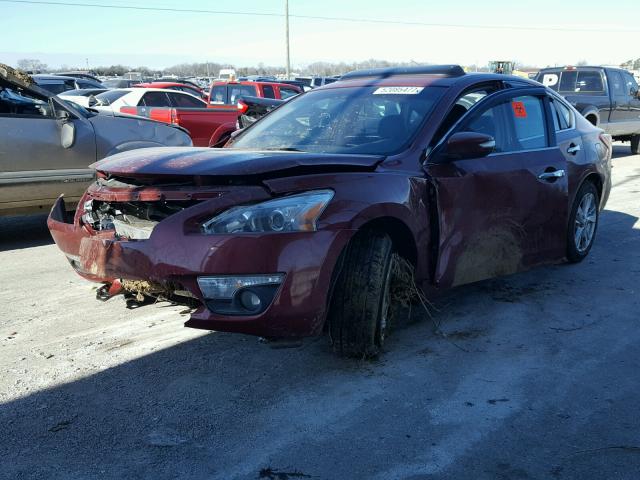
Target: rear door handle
551,175
573,149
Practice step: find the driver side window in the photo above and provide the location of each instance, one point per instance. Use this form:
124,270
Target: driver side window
467,100
19,104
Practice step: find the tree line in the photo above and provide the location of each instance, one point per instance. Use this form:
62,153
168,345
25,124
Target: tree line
212,69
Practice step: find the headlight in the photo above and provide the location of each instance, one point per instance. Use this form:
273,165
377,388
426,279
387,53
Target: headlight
297,213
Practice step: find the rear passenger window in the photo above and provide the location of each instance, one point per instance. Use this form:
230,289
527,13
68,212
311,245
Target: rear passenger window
268,91
589,81
155,99
616,85
527,114
184,100
515,125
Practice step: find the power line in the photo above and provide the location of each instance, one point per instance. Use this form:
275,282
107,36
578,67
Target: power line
326,18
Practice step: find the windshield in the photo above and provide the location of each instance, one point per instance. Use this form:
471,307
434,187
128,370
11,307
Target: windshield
360,120
107,98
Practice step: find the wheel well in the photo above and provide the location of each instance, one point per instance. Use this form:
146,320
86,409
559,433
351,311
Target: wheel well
400,234
597,182
402,239
593,118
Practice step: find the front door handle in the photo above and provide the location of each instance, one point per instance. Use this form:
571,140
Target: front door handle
573,149
551,175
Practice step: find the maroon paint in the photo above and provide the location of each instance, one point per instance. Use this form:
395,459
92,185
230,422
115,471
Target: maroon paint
439,216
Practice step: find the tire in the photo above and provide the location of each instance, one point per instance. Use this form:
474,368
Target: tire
360,306
583,223
635,144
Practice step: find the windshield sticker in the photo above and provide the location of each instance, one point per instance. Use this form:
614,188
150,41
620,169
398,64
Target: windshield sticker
519,110
398,90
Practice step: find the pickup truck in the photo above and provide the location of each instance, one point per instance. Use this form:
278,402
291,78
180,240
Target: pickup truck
208,127
47,143
227,93
212,126
608,97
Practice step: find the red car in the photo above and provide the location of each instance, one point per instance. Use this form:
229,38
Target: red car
228,93
302,223
181,87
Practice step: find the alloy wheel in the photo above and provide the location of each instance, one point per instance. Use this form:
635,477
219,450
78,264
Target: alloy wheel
585,224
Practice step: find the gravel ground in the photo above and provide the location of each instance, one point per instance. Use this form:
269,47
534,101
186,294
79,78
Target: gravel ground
536,379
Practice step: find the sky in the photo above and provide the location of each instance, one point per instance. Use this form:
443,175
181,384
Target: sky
540,32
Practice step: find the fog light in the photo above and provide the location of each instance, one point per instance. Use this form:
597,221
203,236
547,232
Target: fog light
240,295
250,301
225,287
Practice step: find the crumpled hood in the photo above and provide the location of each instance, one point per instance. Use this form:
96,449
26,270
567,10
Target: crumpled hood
183,161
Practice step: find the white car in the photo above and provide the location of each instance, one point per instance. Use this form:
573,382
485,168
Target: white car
114,100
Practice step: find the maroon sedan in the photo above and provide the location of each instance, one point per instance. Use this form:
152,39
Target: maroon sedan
299,224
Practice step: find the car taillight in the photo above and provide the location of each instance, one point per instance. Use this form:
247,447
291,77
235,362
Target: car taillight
164,115
605,138
129,110
174,117
242,107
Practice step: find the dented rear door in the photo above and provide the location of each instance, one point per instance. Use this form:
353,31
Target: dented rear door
507,211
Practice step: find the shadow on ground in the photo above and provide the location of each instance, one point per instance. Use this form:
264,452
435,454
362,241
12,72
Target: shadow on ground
510,393
24,232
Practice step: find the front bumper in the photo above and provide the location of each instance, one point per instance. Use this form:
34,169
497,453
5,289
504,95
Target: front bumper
175,255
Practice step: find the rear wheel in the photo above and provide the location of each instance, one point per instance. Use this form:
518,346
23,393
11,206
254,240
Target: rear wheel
583,223
360,308
635,144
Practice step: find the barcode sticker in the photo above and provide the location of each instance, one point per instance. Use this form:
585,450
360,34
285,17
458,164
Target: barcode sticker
398,90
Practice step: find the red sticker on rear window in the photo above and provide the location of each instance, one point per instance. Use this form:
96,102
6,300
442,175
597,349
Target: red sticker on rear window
519,110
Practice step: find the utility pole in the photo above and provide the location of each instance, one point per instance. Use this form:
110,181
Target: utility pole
286,18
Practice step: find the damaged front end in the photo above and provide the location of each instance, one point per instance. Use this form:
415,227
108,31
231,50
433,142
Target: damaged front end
147,241
109,215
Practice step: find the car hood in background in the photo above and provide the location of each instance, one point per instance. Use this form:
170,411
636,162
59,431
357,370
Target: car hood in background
152,162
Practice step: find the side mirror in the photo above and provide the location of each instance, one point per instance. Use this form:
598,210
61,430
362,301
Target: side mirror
67,134
92,101
469,145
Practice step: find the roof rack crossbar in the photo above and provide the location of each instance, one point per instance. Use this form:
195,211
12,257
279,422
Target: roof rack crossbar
447,70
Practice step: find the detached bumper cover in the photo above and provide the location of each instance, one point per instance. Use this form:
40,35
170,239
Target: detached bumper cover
171,254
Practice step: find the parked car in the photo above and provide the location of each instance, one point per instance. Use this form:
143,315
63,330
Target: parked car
120,82
81,96
228,93
80,74
303,221
180,87
321,81
608,97
206,126
49,143
115,100
57,84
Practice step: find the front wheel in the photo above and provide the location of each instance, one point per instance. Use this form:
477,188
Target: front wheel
583,223
361,303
